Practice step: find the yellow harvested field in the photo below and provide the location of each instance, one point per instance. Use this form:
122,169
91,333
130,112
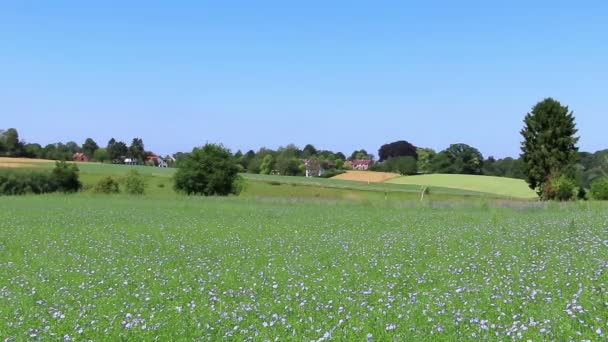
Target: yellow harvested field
6,160
17,165
367,176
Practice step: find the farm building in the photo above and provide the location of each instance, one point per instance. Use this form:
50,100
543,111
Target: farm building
80,157
158,161
361,164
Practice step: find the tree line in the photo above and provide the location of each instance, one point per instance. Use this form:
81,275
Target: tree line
114,152
550,161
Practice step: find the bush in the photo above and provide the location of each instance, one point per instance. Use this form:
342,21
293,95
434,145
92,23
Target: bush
562,188
599,189
332,173
134,183
107,185
581,194
65,177
20,182
210,170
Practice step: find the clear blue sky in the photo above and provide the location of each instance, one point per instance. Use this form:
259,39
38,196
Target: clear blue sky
343,75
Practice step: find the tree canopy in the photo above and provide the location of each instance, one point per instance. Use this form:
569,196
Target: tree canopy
399,148
549,145
210,170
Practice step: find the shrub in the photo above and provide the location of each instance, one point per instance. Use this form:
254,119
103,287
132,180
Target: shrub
332,173
65,177
581,194
562,188
21,182
599,189
107,185
210,170
134,183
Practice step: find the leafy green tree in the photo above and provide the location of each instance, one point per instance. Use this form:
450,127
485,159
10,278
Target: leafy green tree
137,150
562,188
465,159
210,170
309,151
403,165
72,147
360,155
268,165
101,155
425,159
549,144
32,151
395,149
10,143
66,178
599,189
89,147
116,150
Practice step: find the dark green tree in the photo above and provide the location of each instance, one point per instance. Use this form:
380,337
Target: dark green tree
66,177
549,145
89,147
10,143
465,159
116,150
210,170
309,151
136,150
395,149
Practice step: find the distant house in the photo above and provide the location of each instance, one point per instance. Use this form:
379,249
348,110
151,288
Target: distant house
314,168
131,161
80,157
361,164
157,161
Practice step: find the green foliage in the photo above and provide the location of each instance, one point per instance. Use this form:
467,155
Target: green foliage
267,165
581,194
425,159
458,159
210,170
100,155
89,147
562,189
136,150
10,144
21,182
115,150
107,185
396,149
66,177
134,183
599,189
549,145
400,165
332,173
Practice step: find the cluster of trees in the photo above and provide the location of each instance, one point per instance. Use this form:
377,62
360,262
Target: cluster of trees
12,146
291,160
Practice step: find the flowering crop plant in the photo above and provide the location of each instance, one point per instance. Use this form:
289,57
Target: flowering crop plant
100,267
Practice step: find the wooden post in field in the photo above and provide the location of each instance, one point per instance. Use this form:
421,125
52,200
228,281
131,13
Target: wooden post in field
423,191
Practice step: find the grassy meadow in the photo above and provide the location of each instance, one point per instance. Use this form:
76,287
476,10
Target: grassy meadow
103,267
500,186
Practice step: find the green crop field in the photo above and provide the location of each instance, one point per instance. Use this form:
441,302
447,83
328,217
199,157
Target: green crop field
501,186
89,267
159,182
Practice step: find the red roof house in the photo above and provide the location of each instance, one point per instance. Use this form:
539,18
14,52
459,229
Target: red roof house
80,157
361,164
